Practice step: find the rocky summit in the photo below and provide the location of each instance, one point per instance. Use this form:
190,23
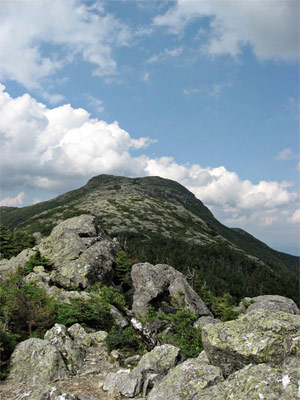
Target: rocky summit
137,325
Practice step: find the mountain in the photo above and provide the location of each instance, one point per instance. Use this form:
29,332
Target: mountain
160,221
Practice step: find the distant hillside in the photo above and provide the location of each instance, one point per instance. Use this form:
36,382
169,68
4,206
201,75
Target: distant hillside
159,220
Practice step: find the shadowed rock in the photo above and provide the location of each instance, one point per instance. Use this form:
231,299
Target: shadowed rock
155,284
79,252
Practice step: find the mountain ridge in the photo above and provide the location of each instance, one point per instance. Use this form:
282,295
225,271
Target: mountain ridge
161,221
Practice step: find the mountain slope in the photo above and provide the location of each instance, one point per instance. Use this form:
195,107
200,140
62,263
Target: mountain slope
162,222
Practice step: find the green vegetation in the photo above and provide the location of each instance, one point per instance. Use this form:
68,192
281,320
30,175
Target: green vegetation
91,313
123,267
217,266
147,201
13,242
25,312
221,306
109,295
35,261
182,333
125,340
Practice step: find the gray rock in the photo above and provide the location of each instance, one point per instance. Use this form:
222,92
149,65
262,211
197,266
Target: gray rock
202,357
79,252
132,361
37,361
98,337
38,277
151,367
120,321
38,236
122,382
205,320
257,337
38,269
79,335
254,382
154,284
159,360
72,353
49,394
10,266
186,380
272,303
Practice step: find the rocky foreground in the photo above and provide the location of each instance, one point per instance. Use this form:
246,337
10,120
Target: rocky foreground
256,356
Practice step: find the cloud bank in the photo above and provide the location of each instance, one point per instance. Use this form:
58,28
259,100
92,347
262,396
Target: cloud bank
51,149
270,27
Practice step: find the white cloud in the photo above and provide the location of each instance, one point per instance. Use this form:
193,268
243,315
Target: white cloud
68,28
165,55
13,201
53,149
146,77
222,188
189,92
295,219
53,98
271,27
286,154
96,103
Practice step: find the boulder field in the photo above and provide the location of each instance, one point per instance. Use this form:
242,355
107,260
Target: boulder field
256,356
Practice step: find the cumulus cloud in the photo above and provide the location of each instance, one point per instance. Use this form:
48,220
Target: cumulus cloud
54,148
271,27
68,28
13,201
222,188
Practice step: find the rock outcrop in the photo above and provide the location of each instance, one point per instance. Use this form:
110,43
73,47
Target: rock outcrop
186,380
256,356
37,361
154,284
271,303
151,368
10,266
257,337
80,253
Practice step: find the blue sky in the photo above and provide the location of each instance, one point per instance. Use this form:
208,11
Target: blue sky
202,92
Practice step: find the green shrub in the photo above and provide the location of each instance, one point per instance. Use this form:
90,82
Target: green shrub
109,295
25,312
91,313
125,340
8,342
182,333
13,242
221,306
123,267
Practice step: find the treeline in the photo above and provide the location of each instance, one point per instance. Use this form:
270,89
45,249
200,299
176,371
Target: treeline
220,268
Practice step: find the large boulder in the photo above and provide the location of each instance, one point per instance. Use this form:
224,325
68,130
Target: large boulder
154,284
72,351
80,253
186,380
152,367
271,303
257,337
37,361
255,382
